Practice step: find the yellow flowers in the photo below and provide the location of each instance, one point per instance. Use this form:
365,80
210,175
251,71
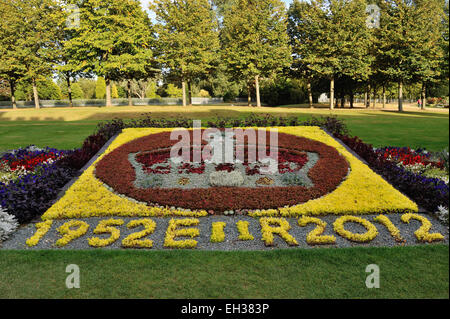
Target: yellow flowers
217,232
315,237
370,235
423,233
363,192
244,233
173,232
135,240
267,230
106,227
70,234
41,230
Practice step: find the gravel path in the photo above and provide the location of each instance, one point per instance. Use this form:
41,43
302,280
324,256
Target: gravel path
17,241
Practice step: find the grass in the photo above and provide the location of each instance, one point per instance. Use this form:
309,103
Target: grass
67,128
405,272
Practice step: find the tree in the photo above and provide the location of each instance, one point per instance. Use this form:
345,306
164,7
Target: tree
112,40
427,47
338,40
27,41
188,39
100,88
302,31
400,41
254,41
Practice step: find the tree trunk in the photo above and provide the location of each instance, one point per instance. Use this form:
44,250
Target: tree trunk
12,84
258,96
189,93
352,99
400,96
365,98
369,96
183,86
130,99
342,99
332,93
374,97
384,96
310,96
424,97
249,97
37,103
108,92
69,91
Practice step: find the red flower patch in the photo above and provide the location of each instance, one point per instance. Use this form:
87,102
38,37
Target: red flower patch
116,171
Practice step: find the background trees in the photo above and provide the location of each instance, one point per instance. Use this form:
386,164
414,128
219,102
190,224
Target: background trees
254,40
224,48
187,39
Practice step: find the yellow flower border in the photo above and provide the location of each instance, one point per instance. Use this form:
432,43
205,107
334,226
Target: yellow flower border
339,228
362,192
217,232
423,233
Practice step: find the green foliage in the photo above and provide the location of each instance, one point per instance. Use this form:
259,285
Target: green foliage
47,89
282,91
188,37
173,91
114,91
254,39
150,93
88,86
113,40
100,88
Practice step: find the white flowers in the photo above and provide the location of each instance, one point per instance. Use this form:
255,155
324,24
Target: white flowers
442,214
223,178
8,224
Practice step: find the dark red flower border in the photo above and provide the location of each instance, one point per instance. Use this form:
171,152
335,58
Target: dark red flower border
116,171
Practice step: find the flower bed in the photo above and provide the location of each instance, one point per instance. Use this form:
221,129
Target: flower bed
316,176
341,185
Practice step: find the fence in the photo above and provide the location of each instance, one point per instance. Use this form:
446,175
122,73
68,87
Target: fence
115,102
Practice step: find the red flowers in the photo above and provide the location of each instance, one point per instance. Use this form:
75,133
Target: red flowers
116,171
406,156
29,163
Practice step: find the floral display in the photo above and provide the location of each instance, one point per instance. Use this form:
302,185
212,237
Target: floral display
208,233
135,240
282,229
173,232
423,233
217,232
69,233
315,237
341,184
393,230
41,230
339,227
106,227
8,224
135,177
244,233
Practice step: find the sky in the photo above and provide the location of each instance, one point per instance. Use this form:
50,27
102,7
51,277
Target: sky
146,2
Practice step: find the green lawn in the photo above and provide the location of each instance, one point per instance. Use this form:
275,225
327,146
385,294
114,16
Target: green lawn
405,272
66,128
